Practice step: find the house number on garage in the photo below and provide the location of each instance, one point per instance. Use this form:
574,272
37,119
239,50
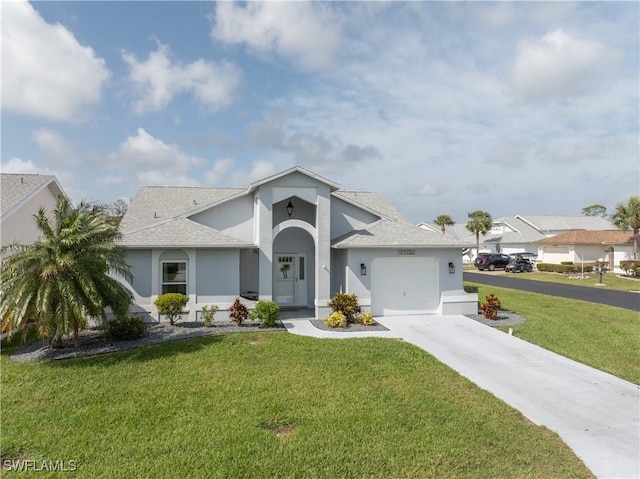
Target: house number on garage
406,252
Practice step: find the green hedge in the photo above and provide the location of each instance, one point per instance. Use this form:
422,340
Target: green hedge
564,268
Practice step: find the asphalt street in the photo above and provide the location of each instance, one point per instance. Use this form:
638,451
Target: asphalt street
620,299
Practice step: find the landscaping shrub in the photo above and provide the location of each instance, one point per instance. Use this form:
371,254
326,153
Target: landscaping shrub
346,304
266,312
238,312
564,268
336,320
171,305
365,319
491,306
207,313
569,263
631,267
125,328
471,289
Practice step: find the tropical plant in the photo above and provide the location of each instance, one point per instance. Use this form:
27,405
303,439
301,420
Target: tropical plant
443,221
491,306
479,223
238,312
595,210
365,319
336,320
346,304
171,305
208,313
627,217
67,276
266,312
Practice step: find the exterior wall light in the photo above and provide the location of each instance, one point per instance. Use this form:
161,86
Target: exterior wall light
363,269
290,209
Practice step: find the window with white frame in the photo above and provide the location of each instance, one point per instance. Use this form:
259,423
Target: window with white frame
174,277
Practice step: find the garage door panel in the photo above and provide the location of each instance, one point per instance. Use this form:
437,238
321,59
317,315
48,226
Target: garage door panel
404,285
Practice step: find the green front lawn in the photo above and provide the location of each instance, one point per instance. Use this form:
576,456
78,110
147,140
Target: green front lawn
604,337
609,280
269,405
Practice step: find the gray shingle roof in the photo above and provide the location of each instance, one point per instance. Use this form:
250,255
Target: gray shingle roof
525,232
567,223
158,216
388,233
157,204
181,233
17,188
370,201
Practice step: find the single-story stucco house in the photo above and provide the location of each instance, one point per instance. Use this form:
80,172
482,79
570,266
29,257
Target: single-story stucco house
612,246
22,197
295,238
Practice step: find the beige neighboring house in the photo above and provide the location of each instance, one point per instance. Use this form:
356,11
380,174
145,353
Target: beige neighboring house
22,197
579,246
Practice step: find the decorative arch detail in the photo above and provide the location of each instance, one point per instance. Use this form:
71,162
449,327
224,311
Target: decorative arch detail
295,224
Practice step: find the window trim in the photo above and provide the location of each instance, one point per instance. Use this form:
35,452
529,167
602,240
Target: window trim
163,283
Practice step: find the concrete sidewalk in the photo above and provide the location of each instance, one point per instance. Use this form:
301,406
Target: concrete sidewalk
595,413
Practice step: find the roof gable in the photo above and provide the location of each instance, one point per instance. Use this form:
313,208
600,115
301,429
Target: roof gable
566,223
18,189
295,169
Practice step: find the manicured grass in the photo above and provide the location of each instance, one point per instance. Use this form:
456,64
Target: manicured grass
609,280
604,337
270,405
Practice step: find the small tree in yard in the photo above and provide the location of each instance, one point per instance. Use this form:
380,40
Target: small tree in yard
627,217
171,305
479,223
443,221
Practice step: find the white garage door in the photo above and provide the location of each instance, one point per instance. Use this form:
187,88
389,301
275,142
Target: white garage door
404,285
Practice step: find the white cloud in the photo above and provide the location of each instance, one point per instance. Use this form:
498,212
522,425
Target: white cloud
216,174
55,148
303,31
557,64
159,79
46,73
154,161
18,165
260,169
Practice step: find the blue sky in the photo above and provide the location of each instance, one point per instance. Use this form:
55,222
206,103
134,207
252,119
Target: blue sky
442,107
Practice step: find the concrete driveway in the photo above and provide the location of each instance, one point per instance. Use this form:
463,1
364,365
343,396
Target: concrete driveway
595,413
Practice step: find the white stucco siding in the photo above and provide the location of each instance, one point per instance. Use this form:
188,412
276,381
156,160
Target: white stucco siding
361,285
234,218
217,276
20,226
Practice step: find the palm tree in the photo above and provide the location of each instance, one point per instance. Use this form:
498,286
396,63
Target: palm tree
479,223
627,216
64,278
443,221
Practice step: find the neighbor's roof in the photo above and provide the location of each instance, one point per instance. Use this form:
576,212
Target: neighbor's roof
395,234
590,237
525,233
17,189
566,223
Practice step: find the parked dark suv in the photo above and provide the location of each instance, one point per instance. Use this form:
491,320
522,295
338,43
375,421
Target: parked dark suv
491,261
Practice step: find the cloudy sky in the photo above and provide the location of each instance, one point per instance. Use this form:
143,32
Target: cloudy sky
513,108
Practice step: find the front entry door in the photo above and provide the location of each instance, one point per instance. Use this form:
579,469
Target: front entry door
290,285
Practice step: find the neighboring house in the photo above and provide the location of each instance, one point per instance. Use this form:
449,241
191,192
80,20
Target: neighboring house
579,246
22,197
518,234
294,238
